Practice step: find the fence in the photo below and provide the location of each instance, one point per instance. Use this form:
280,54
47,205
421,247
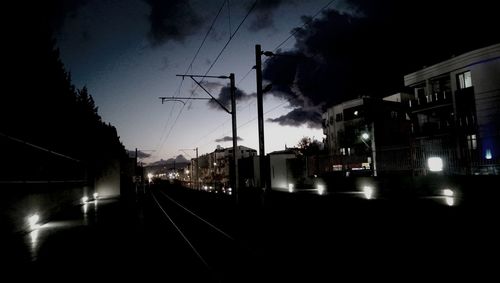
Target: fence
24,162
410,161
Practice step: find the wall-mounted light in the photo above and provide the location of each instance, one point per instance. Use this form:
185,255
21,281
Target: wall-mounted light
33,220
368,192
488,154
435,164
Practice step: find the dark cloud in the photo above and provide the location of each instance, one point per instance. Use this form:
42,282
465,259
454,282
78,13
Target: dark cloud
85,35
60,10
140,154
264,14
299,117
165,63
227,139
341,55
171,20
210,86
224,97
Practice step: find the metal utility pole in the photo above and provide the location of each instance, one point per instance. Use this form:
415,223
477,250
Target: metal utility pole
260,114
197,171
374,150
234,180
234,162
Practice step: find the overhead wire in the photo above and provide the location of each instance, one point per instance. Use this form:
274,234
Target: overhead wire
190,66
305,24
274,50
213,64
249,71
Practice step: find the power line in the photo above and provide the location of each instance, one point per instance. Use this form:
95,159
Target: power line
249,71
244,124
305,24
246,75
190,66
229,16
206,36
231,37
216,59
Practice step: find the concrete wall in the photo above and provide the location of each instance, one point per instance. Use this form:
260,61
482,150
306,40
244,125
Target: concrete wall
278,171
108,185
19,201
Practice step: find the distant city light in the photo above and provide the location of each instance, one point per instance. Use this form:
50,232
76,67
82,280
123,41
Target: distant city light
435,164
368,192
365,136
290,188
356,113
488,154
96,195
85,199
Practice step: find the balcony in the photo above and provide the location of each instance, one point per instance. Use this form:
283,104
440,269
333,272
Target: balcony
435,100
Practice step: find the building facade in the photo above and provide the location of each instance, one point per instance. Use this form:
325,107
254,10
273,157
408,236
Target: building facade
357,130
455,111
215,167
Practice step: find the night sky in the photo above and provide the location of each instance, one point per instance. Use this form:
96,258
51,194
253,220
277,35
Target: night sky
128,52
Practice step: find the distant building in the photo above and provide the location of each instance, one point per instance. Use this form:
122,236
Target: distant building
455,109
286,169
357,130
215,167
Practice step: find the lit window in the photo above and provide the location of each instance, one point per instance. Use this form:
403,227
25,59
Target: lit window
464,80
471,142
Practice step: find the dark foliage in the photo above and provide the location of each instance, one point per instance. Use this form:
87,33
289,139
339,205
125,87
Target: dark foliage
40,104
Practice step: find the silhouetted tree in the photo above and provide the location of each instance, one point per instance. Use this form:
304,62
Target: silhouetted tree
309,146
41,105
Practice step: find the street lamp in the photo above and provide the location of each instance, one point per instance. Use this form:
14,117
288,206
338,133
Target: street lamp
365,136
213,174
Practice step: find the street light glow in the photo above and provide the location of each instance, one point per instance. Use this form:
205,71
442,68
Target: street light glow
321,189
365,136
448,192
368,192
435,164
33,220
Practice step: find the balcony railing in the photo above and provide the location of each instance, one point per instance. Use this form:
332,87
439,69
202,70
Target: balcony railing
435,99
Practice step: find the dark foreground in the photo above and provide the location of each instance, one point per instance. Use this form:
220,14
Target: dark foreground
169,233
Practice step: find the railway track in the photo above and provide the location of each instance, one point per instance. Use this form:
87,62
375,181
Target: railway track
224,257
